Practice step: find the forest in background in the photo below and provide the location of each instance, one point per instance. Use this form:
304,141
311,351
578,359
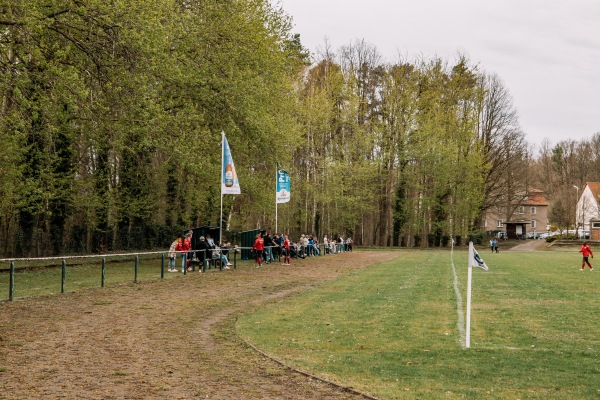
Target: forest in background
111,115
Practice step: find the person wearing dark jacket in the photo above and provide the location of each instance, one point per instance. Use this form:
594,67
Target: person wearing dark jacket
202,250
268,247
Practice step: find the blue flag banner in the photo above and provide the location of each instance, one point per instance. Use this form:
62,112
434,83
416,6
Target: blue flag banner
283,186
229,178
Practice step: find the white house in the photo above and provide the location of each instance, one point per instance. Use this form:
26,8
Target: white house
587,206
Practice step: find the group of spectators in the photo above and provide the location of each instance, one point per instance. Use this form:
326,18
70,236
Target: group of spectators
266,249
306,246
207,252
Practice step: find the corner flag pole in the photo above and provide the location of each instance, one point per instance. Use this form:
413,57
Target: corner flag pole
475,260
469,279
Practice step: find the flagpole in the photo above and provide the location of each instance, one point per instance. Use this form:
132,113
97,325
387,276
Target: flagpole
276,177
221,184
469,278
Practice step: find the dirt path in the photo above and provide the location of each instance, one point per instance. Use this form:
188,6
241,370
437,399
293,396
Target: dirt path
530,245
155,340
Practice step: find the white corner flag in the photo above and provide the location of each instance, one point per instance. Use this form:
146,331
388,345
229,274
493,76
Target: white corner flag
475,261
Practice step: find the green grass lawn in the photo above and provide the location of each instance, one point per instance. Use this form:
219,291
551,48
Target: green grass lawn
392,330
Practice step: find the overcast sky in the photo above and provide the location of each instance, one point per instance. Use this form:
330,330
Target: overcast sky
547,52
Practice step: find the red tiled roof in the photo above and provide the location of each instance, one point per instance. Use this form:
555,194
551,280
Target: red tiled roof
536,197
595,188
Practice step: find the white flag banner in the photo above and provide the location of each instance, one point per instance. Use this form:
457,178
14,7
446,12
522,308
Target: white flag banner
476,261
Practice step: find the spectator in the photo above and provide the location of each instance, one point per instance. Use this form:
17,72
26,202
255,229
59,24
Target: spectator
326,244
349,243
173,253
180,247
210,246
202,249
268,247
224,249
277,248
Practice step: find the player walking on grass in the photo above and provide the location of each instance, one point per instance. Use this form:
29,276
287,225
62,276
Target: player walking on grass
259,248
586,251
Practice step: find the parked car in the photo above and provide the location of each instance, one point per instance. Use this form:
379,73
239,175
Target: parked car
548,234
584,234
533,235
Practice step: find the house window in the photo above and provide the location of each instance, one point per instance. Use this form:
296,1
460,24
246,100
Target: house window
533,222
521,210
500,223
533,210
595,225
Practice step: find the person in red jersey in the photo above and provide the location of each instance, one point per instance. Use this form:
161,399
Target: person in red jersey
286,251
586,251
259,248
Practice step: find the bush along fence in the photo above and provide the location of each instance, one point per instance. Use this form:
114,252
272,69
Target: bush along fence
198,260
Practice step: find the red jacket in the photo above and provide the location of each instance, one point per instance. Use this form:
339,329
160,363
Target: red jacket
259,245
586,250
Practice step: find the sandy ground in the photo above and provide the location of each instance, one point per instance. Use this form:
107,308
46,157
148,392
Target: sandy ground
171,339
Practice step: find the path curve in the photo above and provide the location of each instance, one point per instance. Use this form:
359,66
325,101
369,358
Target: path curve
170,339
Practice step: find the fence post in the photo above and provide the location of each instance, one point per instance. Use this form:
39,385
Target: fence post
137,261
103,270
162,266
184,263
204,261
11,285
234,259
63,276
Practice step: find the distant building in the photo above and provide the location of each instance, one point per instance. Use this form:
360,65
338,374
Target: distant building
588,215
527,215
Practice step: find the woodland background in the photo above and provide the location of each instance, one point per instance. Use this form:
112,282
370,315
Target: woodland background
111,115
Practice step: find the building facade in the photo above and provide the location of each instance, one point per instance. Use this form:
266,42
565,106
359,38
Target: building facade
528,215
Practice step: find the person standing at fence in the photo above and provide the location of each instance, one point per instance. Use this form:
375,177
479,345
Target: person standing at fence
586,251
349,243
268,247
286,251
340,243
210,245
201,254
259,248
180,248
173,254
187,245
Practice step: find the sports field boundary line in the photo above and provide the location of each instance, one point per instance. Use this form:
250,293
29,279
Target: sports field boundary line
460,323
308,374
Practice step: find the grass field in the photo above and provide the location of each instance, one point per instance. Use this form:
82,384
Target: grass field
392,330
